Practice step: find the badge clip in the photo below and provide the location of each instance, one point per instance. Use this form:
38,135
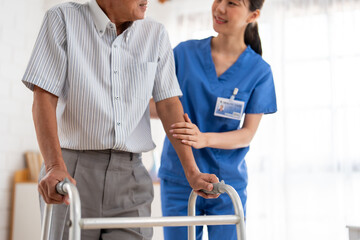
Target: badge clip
235,92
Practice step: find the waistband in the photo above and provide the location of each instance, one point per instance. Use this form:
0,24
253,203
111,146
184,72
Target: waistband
108,152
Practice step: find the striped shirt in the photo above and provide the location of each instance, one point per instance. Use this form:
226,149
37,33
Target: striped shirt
103,81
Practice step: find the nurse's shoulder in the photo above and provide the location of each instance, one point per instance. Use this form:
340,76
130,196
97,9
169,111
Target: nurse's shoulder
192,45
192,51
257,61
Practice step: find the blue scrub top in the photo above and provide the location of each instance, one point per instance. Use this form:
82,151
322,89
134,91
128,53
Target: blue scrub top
201,87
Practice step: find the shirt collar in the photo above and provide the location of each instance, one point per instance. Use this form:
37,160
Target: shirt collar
100,19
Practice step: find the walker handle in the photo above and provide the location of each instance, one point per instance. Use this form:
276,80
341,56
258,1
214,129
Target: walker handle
59,187
216,189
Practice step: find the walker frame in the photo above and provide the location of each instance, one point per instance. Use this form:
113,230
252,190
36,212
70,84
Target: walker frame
77,223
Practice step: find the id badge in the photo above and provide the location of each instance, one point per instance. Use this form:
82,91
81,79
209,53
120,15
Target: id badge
228,108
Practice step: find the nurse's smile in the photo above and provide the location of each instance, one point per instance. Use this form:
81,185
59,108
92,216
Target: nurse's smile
220,20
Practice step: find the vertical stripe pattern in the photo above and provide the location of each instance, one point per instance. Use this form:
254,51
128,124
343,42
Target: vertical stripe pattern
104,82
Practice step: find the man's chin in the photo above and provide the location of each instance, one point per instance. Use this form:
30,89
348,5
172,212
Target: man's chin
140,17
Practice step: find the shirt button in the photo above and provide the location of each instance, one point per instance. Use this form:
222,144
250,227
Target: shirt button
118,123
115,72
115,46
117,98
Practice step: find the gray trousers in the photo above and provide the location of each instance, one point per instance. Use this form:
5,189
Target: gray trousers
110,184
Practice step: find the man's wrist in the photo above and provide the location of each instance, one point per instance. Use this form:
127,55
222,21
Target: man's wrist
189,172
56,166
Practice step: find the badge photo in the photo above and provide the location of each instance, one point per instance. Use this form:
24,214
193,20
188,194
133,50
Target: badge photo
228,108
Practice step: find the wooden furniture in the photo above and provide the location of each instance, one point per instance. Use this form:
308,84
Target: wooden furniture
354,232
25,217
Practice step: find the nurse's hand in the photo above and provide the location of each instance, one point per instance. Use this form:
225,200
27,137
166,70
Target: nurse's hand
189,133
199,181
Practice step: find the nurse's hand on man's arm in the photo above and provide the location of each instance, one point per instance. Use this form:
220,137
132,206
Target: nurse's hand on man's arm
189,133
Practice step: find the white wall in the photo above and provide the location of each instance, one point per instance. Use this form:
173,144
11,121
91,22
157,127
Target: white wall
168,12
19,23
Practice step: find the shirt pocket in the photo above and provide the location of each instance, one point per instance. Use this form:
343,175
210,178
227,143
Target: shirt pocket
139,81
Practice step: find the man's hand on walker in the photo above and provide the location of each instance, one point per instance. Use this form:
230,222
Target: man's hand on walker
47,186
199,181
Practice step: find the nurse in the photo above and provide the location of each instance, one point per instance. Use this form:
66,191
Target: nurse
227,87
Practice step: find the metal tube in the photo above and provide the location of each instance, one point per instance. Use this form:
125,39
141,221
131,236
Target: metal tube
136,222
75,211
46,225
240,226
191,212
239,212
96,223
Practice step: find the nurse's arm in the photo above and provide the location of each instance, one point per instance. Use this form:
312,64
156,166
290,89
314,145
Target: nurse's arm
238,138
190,135
170,111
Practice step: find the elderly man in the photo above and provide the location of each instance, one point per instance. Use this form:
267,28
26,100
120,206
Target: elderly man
93,71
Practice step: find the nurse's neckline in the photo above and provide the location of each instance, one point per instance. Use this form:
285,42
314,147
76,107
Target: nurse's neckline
210,61
215,48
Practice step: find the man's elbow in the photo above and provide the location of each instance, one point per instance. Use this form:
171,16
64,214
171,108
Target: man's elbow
167,106
43,97
153,112
36,96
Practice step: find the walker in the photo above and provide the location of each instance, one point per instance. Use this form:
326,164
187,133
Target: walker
77,223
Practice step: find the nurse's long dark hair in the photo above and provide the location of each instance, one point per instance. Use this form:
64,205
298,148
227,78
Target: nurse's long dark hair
252,36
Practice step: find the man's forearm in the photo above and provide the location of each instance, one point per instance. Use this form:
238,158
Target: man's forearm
44,115
170,111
